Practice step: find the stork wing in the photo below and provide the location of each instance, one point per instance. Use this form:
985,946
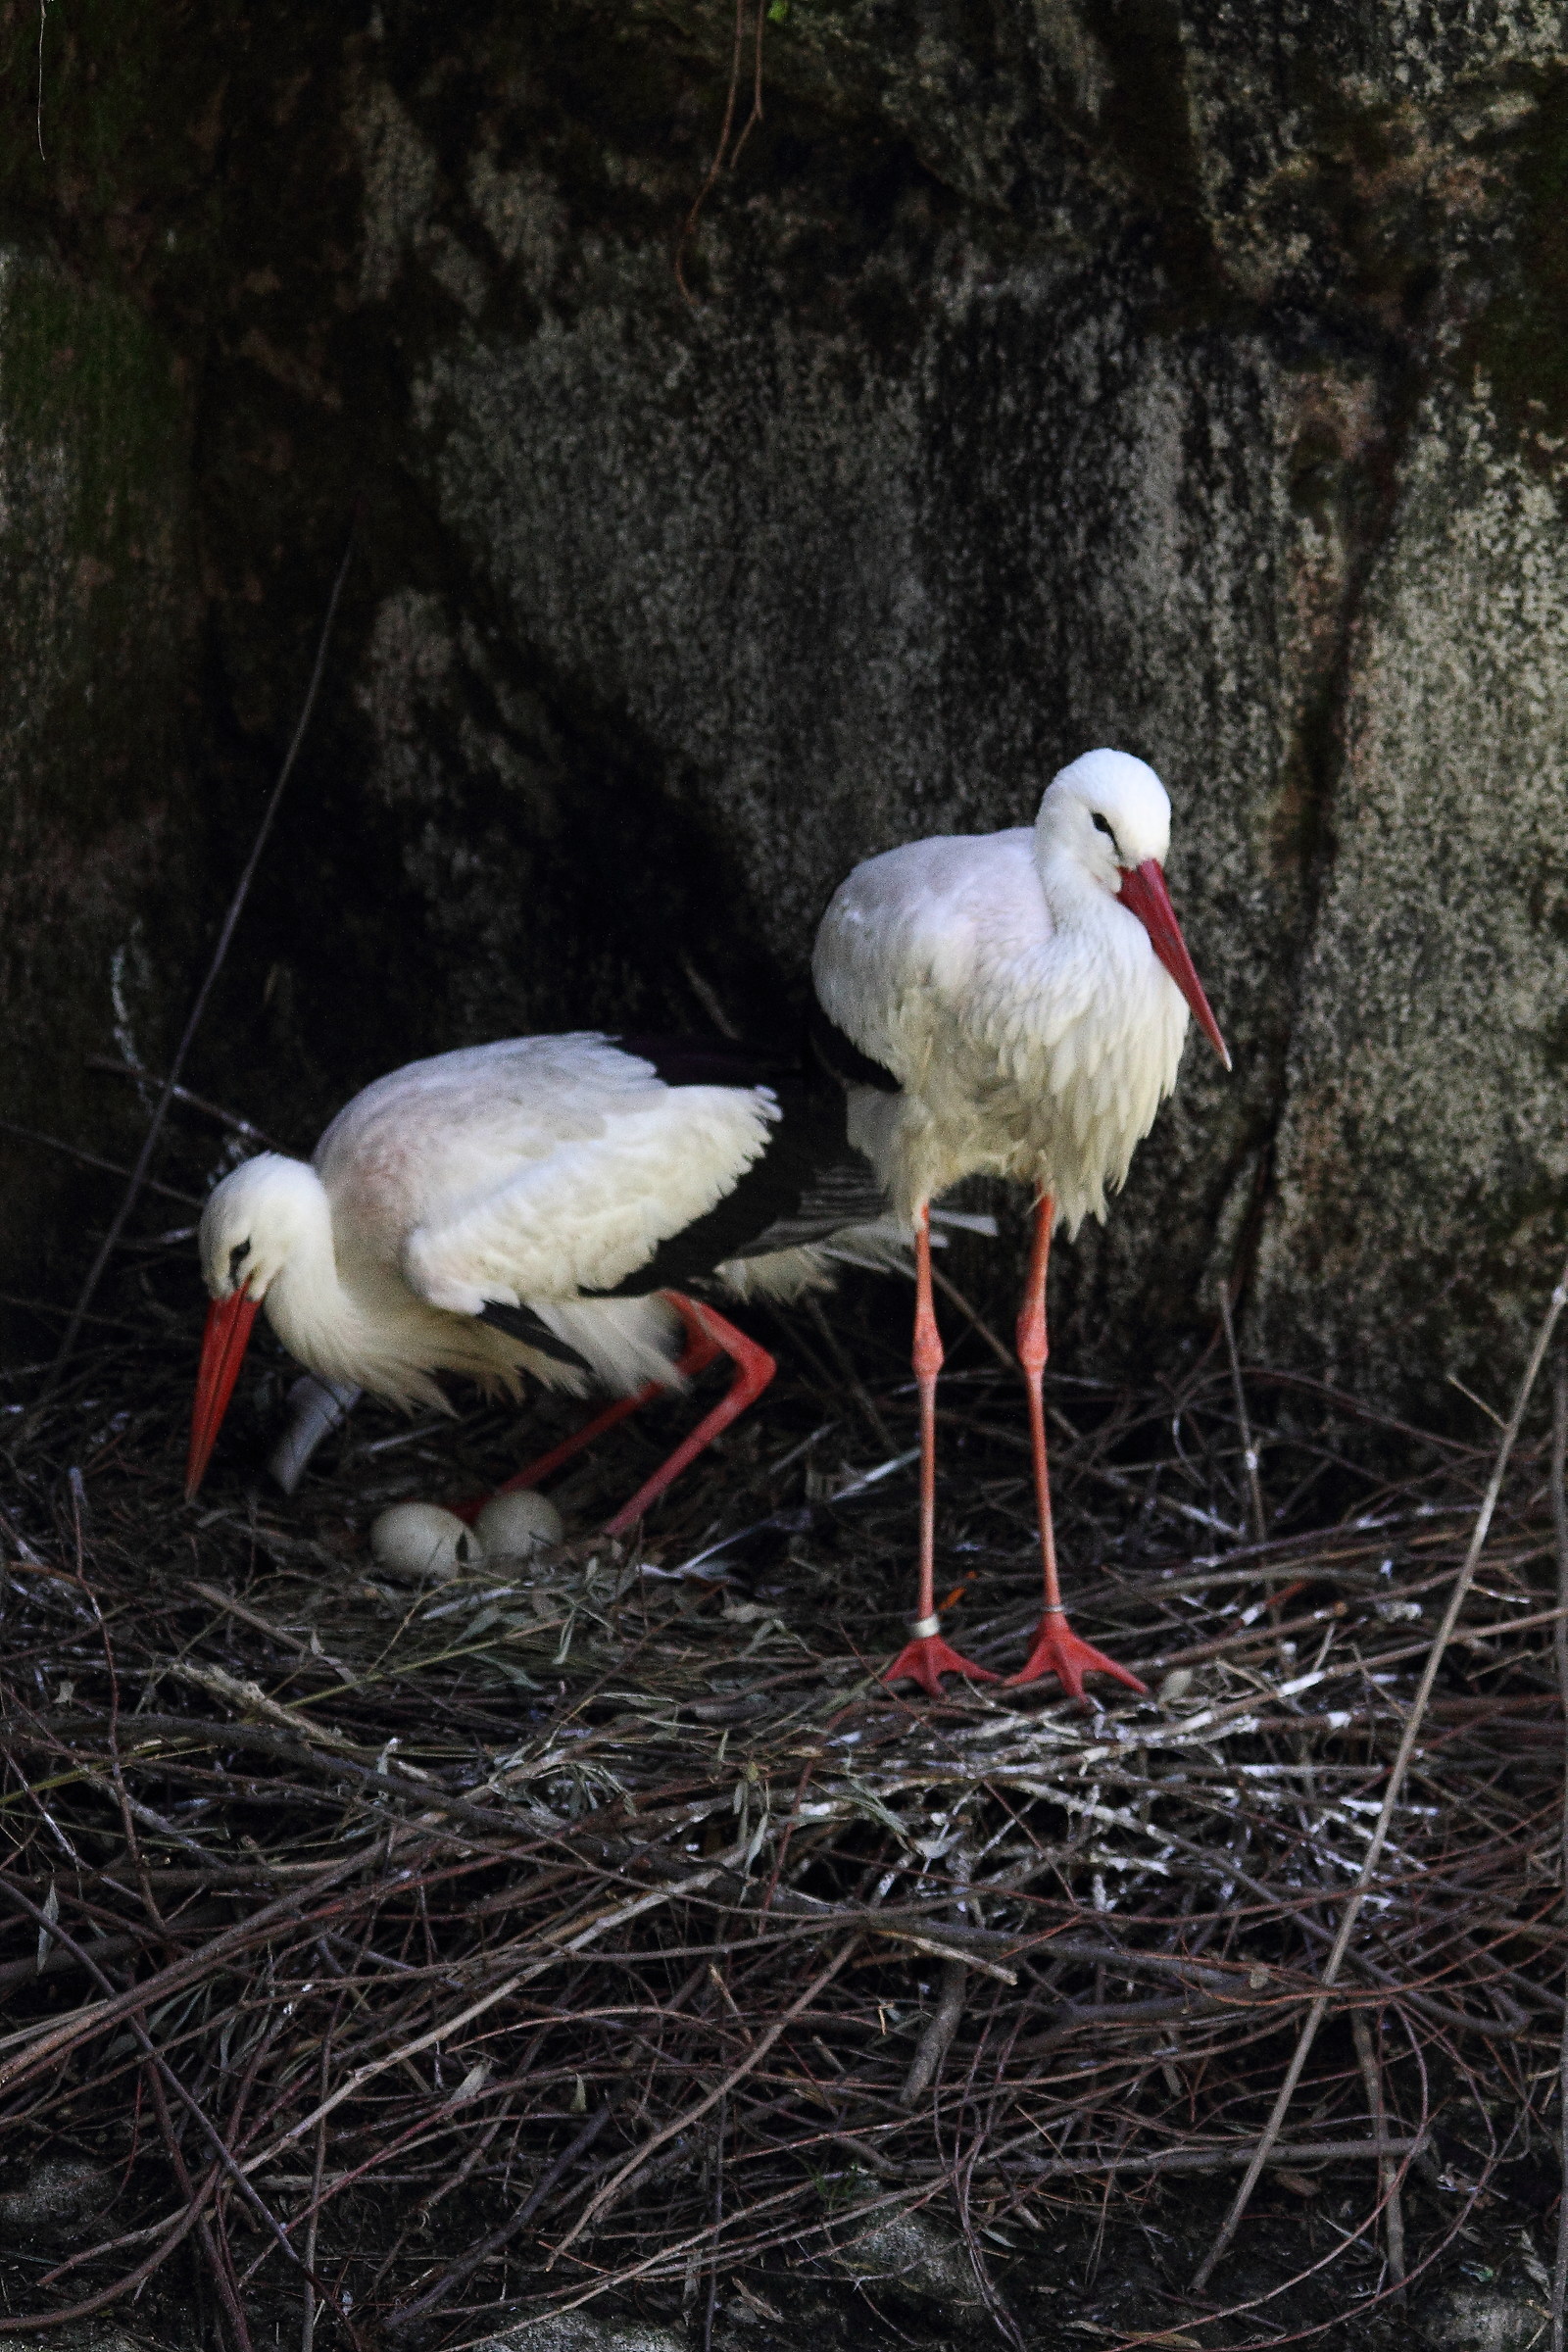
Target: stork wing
900,952
808,1183
547,1169
592,1214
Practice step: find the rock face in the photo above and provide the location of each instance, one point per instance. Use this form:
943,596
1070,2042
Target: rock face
98,818
1426,1074
1186,377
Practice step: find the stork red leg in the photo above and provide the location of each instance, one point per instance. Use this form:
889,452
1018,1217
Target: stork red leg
700,1352
925,1657
753,1369
1057,1647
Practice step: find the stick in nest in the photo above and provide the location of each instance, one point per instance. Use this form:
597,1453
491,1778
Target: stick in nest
1559,1521
236,907
446,2002
1359,1893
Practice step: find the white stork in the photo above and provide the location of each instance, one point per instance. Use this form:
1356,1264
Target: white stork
539,1206
1011,1004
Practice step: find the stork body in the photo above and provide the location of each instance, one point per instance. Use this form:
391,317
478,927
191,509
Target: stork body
538,1205
1013,1005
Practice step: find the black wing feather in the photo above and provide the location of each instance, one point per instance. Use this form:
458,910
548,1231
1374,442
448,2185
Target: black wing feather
522,1323
842,1057
808,1183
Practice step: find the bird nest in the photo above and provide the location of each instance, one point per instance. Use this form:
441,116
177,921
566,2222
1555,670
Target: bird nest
400,1966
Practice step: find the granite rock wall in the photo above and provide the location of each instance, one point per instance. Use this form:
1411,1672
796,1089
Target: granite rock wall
1192,379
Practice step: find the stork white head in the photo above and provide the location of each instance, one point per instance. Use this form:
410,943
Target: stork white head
1105,820
253,1223
1110,810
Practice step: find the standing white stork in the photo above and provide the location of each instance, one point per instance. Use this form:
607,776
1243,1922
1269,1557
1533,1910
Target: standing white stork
1011,1004
538,1205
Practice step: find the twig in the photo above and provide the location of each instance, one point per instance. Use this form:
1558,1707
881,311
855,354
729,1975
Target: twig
216,2252
52,1306
91,1159
163,2072
183,1094
179,2227
934,2041
1255,1491
755,115
950,1290
707,996
1559,1522
406,2316
550,1949
236,906
1198,2160
721,153
851,1378
1401,1764
1388,2177
49,2039
711,2303
684,2121
308,2315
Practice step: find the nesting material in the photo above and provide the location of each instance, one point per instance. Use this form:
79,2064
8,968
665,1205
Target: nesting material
608,1887
420,1539
513,1526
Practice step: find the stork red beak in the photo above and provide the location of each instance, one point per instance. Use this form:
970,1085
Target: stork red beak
223,1344
1144,893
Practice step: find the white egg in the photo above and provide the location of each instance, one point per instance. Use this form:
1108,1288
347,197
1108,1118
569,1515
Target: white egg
420,1538
510,1525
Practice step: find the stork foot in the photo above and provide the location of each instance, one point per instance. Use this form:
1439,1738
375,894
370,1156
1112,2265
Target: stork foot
1057,1650
925,1660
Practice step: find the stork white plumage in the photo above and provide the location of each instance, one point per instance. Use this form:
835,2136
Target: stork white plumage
1013,1005
539,1206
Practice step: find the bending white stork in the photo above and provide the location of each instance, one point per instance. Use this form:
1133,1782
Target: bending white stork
1012,1004
538,1205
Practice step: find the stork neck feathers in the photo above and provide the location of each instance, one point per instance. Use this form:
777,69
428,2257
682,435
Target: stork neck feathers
1076,898
306,1304
267,1230
1104,815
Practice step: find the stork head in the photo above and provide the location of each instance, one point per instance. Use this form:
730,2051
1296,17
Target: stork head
252,1225
1104,822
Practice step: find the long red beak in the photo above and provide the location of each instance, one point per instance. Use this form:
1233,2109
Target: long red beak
1144,893
223,1344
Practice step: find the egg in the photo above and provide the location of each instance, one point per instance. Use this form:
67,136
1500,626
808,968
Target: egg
420,1539
510,1525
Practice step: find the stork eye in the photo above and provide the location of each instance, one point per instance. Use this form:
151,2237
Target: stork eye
236,1258
1103,825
